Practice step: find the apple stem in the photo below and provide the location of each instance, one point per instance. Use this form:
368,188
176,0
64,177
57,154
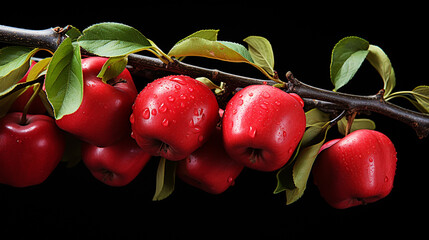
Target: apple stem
350,119
37,87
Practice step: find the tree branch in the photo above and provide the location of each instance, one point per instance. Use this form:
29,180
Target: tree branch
312,96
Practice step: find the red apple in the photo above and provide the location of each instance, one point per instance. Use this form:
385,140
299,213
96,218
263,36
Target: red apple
210,168
28,152
103,117
262,125
173,116
115,165
355,170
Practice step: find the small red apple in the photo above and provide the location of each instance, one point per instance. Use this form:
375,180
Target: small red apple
173,116
210,168
115,165
28,152
355,170
103,116
262,125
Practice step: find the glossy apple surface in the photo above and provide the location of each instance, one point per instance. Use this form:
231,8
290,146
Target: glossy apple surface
29,152
262,125
355,170
173,116
103,117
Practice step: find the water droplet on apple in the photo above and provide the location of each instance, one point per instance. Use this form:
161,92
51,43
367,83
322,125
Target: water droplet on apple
182,105
183,96
132,118
190,89
197,129
252,132
154,112
371,160
200,138
231,181
234,111
250,94
177,87
240,102
165,122
277,103
284,133
146,114
266,95
162,108
171,98
386,179
290,151
178,80
263,106
132,135
18,141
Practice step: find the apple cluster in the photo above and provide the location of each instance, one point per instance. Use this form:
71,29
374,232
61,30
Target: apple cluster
179,119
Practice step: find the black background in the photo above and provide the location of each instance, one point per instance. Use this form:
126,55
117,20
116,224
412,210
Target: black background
72,204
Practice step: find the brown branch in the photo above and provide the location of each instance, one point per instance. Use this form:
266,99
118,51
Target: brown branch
320,98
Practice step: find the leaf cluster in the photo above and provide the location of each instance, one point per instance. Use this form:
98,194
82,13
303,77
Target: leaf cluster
349,54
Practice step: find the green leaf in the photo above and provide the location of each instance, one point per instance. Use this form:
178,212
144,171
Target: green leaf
112,68
165,179
220,50
113,40
64,80
358,123
315,117
347,56
261,52
208,34
293,177
73,33
14,64
382,64
421,94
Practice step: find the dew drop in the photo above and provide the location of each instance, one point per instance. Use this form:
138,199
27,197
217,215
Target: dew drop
132,118
190,89
266,95
177,87
154,112
371,160
290,150
171,98
146,114
18,141
191,123
284,133
165,122
263,106
386,179
234,111
182,105
252,132
277,103
197,129
183,96
200,138
162,108
231,181
240,102
250,94
132,135
178,80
